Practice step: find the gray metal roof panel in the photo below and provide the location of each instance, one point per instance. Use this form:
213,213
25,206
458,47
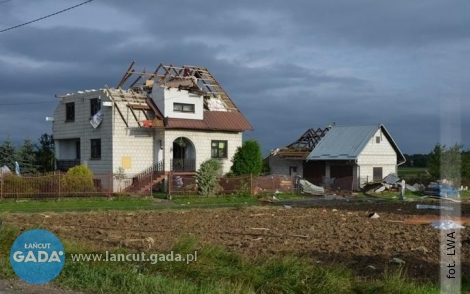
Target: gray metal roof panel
343,143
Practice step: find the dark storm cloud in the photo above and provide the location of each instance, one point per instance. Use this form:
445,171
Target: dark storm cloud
288,66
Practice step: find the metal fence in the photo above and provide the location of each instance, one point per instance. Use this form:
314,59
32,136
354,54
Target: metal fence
54,185
58,184
248,185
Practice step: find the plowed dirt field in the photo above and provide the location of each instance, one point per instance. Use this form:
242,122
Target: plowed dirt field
324,235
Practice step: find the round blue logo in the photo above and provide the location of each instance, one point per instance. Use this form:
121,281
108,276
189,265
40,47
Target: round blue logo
37,256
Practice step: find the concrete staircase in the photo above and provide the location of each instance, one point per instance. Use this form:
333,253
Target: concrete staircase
144,185
144,181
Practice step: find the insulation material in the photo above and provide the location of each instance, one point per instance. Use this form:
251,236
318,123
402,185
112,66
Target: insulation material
215,105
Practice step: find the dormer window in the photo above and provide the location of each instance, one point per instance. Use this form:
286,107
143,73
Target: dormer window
183,107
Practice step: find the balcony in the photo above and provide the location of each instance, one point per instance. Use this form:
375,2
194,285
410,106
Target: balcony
64,165
182,165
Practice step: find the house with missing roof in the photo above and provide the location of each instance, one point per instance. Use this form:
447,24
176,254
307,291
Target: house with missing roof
172,119
291,160
359,153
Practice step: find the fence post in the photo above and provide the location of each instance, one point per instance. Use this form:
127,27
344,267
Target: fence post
251,185
1,188
59,185
169,185
151,183
111,184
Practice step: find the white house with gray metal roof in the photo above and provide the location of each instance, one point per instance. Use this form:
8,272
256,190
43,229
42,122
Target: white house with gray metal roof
365,153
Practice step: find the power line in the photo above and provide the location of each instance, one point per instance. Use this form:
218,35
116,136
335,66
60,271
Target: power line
26,103
44,17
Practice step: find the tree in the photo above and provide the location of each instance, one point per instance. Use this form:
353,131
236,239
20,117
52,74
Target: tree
45,153
445,163
247,159
26,157
7,154
206,176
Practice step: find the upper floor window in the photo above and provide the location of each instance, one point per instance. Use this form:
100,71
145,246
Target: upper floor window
95,148
70,111
183,107
95,106
219,149
377,139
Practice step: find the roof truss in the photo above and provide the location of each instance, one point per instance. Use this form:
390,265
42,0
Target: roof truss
302,147
188,77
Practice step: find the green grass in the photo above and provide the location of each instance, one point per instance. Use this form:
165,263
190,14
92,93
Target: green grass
130,203
216,271
76,204
243,199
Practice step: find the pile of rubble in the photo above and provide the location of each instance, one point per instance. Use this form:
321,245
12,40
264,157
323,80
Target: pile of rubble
391,183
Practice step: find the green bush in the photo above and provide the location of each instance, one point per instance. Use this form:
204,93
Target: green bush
78,179
206,177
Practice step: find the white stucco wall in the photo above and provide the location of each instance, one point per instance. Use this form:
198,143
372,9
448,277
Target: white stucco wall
165,98
377,155
202,142
281,166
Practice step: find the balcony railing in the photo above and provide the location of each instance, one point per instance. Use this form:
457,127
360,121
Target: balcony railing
64,165
182,165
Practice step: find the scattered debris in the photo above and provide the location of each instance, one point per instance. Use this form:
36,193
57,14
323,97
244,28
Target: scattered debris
301,236
309,188
438,207
411,188
261,229
371,267
397,260
374,215
391,179
420,249
334,210
257,239
150,241
446,225
274,198
287,206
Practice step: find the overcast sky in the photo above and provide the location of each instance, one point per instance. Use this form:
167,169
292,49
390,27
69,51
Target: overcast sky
288,65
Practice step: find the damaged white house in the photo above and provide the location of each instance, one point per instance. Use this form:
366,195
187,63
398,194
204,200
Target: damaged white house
355,154
172,119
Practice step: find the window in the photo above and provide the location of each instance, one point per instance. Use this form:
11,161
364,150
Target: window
219,149
77,150
182,107
95,105
292,170
377,139
377,174
95,148
70,111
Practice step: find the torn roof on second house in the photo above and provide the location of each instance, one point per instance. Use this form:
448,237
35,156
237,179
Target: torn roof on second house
347,142
302,147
